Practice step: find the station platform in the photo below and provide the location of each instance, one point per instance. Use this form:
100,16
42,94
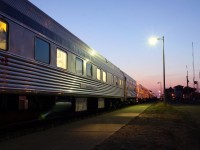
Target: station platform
79,135
16,116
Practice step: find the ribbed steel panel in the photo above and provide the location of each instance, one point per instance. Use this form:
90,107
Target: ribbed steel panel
22,75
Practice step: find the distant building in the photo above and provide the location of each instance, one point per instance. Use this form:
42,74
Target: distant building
188,92
178,92
170,93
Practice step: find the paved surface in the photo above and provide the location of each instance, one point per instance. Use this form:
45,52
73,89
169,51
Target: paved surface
80,135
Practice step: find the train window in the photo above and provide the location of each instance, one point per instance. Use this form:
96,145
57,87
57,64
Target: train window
89,69
116,81
79,66
104,76
98,74
120,82
111,80
61,59
3,35
42,50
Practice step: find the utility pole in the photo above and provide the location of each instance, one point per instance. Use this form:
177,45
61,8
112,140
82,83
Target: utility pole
193,66
187,77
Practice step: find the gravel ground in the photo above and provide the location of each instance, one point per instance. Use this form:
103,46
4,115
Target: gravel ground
161,126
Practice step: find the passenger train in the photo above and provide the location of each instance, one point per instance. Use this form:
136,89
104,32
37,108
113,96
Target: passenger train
42,64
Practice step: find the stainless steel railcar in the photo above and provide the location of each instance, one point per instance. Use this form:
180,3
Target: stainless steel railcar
143,94
42,63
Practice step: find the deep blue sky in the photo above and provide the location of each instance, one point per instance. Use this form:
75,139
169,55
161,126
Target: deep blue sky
119,30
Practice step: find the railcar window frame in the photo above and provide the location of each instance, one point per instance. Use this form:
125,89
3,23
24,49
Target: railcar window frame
111,79
78,71
104,76
116,81
37,55
6,35
60,63
89,69
119,82
114,77
98,74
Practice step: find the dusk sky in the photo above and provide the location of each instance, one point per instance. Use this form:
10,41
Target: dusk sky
119,30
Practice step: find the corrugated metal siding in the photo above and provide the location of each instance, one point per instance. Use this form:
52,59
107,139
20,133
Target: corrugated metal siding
25,75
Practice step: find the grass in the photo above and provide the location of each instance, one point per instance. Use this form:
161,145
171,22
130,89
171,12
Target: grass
161,126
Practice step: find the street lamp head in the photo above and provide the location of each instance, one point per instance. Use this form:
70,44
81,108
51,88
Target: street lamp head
161,38
153,40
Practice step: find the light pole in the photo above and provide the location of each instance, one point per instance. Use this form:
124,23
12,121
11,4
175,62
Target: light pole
153,41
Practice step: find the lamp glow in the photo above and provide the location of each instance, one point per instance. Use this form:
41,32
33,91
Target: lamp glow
153,40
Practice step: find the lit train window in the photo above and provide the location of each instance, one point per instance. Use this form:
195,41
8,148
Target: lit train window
89,69
3,35
42,50
104,76
98,74
122,83
61,59
79,66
